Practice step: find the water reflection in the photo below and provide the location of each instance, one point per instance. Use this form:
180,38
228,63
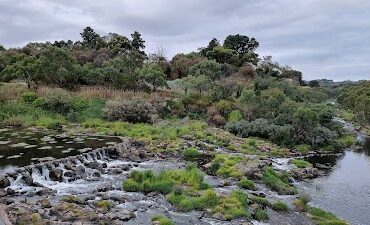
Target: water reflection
345,190
21,147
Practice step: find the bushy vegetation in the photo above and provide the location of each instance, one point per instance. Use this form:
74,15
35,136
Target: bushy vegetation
162,220
300,163
247,184
324,218
356,100
280,206
278,182
186,190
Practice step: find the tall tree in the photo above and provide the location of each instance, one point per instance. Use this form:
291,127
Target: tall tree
89,37
240,43
26,69
137,42
211,45
153,75
57,67
2,48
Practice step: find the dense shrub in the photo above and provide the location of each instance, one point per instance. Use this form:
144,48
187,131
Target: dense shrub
234,116
192,154
29,96
135,111
247,184
278,182
261,215
59,100
280,206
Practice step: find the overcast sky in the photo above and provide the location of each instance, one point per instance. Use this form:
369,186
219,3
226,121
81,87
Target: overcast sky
322,38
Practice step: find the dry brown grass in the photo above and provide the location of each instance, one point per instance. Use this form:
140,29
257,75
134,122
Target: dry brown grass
11,91
91,92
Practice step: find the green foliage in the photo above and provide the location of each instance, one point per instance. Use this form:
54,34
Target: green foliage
260,201
59,100
131,185
304,149
302,202
280,206
261,215
301,163
232,207
277,182
134,110
164,183
356,99
225,165
104,204
246,184
29,96
153,75
207,68
347,140
324,218
192,154
162,220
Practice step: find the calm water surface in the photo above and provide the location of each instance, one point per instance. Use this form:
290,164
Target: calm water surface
345,191
21,147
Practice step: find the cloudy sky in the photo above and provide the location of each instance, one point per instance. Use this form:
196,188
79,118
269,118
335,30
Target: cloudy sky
322,38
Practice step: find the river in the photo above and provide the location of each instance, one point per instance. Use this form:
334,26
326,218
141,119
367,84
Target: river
345,190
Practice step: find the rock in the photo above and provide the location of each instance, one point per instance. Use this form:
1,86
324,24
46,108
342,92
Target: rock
93,165
129,149
96,174
44,203
45,191
2,193
218,216
4,182
10,191
56,174
71,174
27,179
304,173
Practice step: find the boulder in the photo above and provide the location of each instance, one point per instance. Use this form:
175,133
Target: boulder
56,174
27,179
4,182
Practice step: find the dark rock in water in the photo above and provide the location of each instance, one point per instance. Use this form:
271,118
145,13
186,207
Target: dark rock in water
93,165
4,182
56,174
10,191
45,191
27,179
129,149
70,174
96,174
2,193
305,173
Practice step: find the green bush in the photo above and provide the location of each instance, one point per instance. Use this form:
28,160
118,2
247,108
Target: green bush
207,200
234,116
40,102
29,96
135,111
79,104
162,220
278,183
302,202
192,154
324,218
247,184
59,100
304,149
300,163
260,200
233,206
131,185
104,204
280,206
261,215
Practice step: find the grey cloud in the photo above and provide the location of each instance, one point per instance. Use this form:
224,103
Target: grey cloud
321,38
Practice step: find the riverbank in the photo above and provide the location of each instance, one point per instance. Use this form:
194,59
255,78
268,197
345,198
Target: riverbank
92,182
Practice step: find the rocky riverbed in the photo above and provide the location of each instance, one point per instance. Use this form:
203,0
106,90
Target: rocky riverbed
87,189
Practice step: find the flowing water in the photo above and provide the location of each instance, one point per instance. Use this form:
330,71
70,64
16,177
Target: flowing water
345,190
